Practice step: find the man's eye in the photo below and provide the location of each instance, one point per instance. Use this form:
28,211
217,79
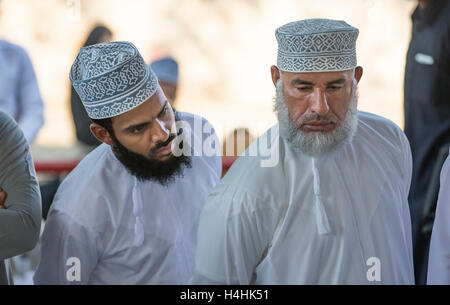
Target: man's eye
164,110
303,89
334,88
136,130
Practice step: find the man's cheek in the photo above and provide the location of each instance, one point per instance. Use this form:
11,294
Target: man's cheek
296,117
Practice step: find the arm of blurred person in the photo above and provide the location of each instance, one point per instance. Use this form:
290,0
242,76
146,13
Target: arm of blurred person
29,99
20,215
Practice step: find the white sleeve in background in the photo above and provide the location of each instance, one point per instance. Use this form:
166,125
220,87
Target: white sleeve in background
31,108
439,255
68,252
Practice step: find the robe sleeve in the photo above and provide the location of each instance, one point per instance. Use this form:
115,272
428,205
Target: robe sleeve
235,231
69,251
439,255
20,222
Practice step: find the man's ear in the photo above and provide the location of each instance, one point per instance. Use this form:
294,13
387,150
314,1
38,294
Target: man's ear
275,74
101,133
358,73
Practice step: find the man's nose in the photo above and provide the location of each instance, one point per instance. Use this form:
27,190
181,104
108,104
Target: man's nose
319,103
159,132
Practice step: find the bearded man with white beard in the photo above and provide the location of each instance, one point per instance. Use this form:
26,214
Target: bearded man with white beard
334,209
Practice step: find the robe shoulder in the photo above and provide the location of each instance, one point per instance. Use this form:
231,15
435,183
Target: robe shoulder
90,187
385,142
380,128
9,128
255,183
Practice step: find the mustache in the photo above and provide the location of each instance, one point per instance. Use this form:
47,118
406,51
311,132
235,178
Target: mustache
329,118
165,143
162,144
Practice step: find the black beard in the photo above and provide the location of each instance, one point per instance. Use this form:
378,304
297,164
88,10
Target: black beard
144,169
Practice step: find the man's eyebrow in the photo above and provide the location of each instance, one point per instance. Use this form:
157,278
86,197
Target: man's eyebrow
299,81
336,82
131,127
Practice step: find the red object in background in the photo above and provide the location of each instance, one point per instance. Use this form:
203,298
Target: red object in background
59,167
227,162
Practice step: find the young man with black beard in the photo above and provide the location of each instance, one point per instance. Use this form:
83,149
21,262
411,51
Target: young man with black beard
146,167
128,213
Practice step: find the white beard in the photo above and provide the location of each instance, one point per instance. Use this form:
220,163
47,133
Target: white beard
316,143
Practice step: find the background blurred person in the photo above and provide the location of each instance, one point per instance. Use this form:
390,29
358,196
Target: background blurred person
166,69
427,117
80,118
19,90
20,210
